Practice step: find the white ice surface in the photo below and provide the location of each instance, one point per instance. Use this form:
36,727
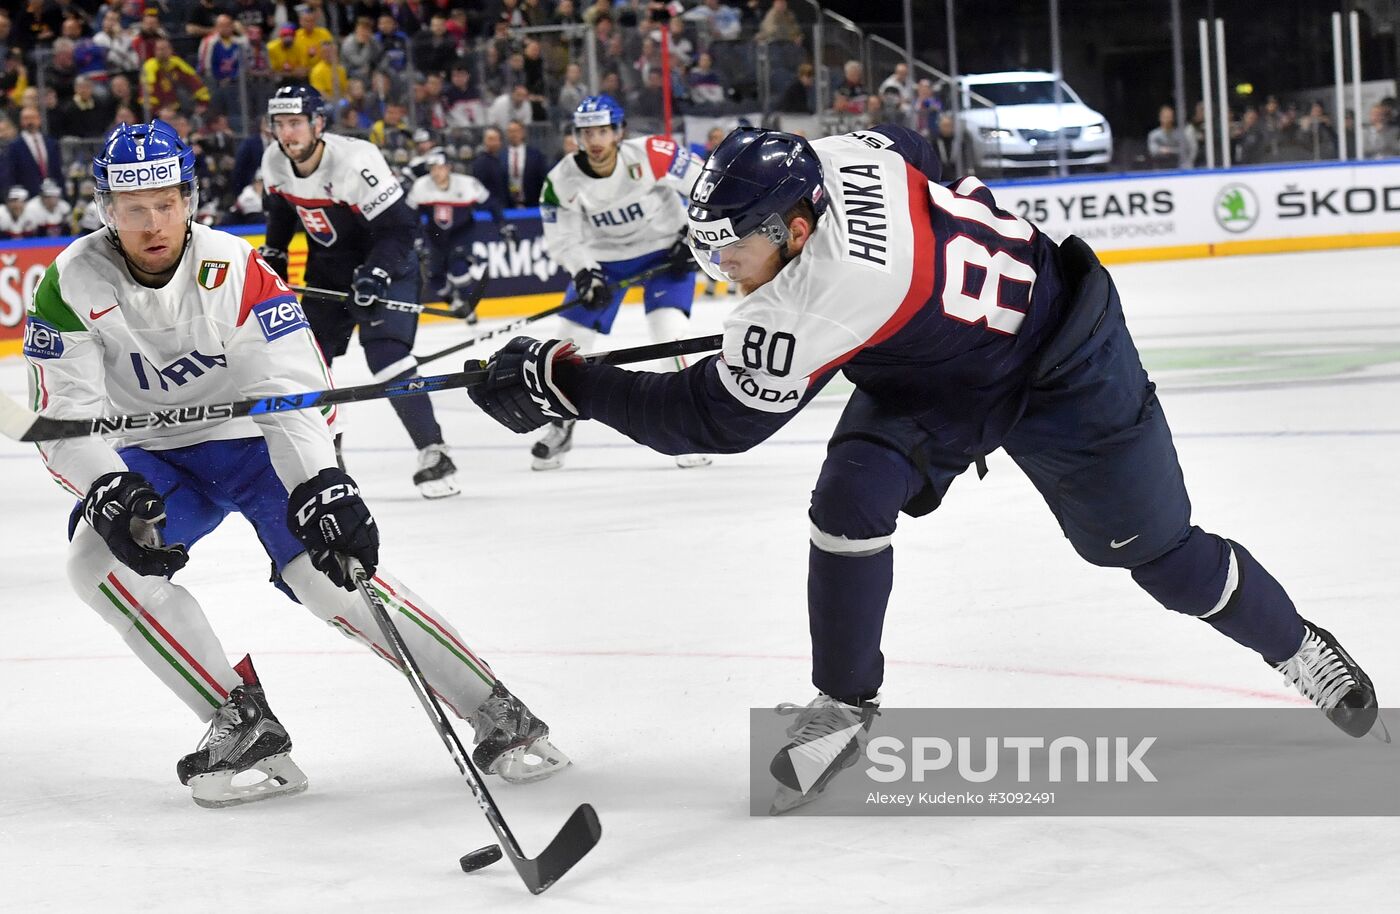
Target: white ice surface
643,609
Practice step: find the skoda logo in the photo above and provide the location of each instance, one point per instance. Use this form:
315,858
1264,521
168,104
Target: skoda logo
1236,208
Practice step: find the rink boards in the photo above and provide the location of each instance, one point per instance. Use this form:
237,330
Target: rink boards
1126,218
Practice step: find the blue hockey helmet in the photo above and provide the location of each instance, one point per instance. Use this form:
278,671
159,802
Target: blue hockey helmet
749,182
143,157
298,98
599,111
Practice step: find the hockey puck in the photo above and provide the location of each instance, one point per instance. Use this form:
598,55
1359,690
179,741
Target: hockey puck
480,858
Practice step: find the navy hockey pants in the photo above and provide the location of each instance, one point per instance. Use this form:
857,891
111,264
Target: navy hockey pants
1096,445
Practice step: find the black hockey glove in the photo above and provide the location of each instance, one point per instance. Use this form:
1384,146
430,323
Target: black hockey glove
276,258
592,289
369,285
129,515
327,514
508,232
680,263
521,391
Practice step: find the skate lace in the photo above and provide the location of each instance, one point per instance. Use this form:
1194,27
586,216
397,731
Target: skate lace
226,720
499,715
824,716
1319,673
431,456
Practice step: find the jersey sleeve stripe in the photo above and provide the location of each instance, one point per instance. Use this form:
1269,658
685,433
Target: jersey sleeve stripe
660,160
921,275
260,284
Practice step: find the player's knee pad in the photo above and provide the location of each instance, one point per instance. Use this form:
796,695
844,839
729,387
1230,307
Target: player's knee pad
388,358
856,501
315,591
1197,577
667,324
89,562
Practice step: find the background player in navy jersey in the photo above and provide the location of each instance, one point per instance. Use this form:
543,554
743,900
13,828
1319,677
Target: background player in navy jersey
360,235
448,202
964,329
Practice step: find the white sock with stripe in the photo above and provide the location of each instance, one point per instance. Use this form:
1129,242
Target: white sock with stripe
458,677
161,622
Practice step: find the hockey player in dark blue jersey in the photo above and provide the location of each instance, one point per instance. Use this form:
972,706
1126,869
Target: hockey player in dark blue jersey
360,240
447,201
964,329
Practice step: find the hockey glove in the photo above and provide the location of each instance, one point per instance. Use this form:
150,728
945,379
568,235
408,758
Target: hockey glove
508,232
591,287
521,391
328,516
679,261
129,515
276,258
369,285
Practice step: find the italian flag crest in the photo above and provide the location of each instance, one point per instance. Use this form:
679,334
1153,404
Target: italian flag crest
634,172
212,273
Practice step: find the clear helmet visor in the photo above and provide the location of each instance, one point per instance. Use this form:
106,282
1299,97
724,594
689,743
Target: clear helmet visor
156,209
726,257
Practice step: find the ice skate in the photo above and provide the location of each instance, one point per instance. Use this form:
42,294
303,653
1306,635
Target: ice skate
827,737
549,451
437,474
511,742
1326,675
690,461
243,736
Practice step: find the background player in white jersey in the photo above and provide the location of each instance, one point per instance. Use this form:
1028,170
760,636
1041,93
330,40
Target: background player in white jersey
964,330
611,211
360,239
448,201
158,313
47,214
14,222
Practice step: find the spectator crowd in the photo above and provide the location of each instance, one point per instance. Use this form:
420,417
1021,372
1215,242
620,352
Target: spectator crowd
490,83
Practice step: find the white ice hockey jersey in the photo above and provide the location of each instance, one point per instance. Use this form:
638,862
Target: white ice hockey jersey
635,210
447,208
224,328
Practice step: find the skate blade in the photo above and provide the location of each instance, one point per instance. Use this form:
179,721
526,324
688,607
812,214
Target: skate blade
1379,730
786,799
439,488
689,461
216,790
547,463
535,762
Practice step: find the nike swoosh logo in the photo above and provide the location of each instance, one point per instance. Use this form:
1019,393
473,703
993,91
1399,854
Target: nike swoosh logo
94,315
1114,544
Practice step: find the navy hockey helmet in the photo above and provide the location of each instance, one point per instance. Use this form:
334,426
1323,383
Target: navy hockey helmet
750,181
599,111
143,157
298,98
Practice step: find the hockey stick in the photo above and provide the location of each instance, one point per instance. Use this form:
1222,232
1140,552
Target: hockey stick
521,322
579,834
20,424
389,303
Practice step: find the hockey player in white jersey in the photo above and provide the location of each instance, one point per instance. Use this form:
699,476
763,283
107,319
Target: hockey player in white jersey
156,312
448,201
360,239
611,211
